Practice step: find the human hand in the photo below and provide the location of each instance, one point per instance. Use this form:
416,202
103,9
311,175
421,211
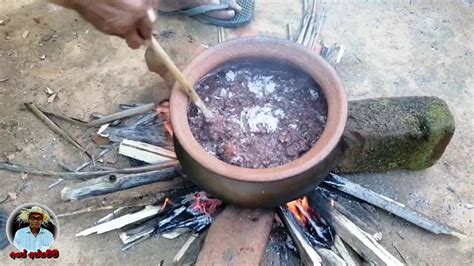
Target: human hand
124,18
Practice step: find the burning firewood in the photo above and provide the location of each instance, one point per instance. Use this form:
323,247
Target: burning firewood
194,211
314,230
362,242
391,206
307,254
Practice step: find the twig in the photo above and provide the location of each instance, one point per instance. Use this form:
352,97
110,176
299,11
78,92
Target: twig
65,166
130,170
66,118
400,253
101,154
220,34
320,26
59,181
311,29
290,31
55,128
391,206
122,114
3,80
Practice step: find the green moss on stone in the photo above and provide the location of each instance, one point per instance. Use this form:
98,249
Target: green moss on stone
396,133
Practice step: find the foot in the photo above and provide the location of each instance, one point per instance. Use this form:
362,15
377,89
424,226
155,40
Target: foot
174,5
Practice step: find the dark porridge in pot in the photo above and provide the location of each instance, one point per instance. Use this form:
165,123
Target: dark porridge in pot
274,113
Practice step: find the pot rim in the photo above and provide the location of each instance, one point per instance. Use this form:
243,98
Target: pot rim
262,47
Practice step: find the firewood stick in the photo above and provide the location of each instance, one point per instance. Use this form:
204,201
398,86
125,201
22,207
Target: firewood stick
147,212
310,31
307,254
352,209
391,206
362,242
139,196
136,242
130,170
329,257
113,183
55,128
116,213
346,255
122,114
190,250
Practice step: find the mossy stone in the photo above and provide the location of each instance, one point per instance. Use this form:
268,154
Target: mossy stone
384,134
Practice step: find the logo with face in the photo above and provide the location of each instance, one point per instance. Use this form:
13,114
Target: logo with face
32,228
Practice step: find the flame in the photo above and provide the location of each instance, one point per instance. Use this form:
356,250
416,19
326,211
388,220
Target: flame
166,203
301,210
163,111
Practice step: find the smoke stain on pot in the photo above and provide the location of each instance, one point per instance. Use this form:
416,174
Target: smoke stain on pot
274,113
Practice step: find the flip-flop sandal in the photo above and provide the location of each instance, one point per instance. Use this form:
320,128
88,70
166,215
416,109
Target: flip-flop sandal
241,18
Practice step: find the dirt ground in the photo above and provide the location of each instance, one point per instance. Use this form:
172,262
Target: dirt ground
392,50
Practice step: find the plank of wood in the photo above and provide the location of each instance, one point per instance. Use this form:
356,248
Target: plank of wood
237,237
391,206
145,152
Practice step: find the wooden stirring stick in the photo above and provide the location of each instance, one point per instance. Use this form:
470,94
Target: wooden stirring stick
160,55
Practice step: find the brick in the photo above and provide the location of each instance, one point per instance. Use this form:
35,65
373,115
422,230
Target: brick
386,134
237,237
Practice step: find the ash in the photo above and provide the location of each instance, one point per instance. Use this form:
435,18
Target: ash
274,113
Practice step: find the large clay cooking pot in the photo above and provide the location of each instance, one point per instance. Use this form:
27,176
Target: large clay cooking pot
260,187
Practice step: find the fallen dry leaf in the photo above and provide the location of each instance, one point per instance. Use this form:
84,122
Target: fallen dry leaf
12,195
24,176
25,34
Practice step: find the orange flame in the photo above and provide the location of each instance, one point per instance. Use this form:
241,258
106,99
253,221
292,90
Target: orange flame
166,203
163,112
300,209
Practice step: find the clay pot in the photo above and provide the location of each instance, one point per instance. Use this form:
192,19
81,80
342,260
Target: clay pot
260,187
